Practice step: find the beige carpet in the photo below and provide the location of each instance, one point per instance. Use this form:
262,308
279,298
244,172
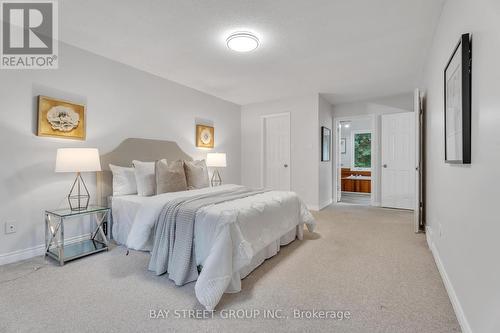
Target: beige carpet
363,260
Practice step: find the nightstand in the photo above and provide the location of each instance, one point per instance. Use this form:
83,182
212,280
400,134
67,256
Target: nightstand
54,233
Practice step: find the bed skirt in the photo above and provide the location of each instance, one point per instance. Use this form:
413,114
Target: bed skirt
270,251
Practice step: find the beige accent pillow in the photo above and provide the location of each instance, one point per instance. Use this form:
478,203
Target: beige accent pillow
170,177
196,174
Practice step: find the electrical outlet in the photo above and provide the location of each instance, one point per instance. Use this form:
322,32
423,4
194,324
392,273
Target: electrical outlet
10,227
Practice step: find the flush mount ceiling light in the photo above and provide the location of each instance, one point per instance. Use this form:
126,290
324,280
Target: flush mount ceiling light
242,41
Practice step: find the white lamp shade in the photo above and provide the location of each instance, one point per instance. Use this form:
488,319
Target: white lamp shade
216,160
78,160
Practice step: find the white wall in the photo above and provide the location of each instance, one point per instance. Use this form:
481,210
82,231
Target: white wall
399,101
462,200
345,158
304,144
325,168
374,110
121,102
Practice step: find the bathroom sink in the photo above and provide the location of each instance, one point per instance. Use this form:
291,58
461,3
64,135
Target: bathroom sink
359,177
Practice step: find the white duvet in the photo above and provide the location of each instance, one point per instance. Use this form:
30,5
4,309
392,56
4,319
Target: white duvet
226,237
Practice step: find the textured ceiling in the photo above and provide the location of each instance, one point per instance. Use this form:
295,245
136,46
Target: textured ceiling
346,49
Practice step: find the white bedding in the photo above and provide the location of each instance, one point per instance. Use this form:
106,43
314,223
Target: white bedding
230,239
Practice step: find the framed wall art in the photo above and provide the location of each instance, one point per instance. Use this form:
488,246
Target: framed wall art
204,136
61,119
326,138
457,103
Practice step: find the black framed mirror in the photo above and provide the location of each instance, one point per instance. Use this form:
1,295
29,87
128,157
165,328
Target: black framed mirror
457,103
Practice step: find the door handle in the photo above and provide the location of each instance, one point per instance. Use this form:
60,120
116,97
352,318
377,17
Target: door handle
384,165
286,165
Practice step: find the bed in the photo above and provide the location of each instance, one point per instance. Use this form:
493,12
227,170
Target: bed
230,238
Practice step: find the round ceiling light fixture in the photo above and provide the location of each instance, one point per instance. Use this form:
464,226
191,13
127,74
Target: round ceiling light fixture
242,41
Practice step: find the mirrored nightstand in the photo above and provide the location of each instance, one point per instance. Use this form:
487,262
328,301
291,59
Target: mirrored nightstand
54,233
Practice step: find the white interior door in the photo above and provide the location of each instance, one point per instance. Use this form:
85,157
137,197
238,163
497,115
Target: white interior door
276,152
417,109
398,160
338,160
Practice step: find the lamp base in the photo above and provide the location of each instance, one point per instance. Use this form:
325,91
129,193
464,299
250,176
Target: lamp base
216,179
78,197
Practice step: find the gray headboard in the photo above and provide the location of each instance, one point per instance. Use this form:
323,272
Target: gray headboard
133,149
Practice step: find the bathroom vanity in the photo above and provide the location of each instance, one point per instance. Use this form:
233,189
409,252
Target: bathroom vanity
356,181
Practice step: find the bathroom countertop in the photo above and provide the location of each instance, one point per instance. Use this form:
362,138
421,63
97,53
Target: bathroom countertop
358,178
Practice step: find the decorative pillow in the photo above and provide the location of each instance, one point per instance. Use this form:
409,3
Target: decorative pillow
170,177
196,174
123,180
145,178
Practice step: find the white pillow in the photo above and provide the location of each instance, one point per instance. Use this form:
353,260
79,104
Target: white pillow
145,178
123,180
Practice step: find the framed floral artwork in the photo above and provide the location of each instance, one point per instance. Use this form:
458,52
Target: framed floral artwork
61,119
204,136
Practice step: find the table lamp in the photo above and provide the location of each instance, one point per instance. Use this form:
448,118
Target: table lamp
78,160
216,160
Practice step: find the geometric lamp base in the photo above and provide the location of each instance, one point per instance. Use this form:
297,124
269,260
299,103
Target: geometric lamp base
216,178
78,196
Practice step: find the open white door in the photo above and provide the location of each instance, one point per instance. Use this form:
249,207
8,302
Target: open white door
417,109
338,160
398,160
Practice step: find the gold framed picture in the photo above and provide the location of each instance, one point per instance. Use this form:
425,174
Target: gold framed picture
204,136
61,119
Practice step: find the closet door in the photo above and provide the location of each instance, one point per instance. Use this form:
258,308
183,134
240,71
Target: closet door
276,151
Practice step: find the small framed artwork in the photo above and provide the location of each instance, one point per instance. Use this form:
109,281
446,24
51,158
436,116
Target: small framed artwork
343,149
326,138
204,136
60,119
457,103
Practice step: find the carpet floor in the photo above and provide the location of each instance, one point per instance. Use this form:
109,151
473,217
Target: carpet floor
363,261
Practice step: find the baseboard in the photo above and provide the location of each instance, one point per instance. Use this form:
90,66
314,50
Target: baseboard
462,319
312,207
15,256
325,204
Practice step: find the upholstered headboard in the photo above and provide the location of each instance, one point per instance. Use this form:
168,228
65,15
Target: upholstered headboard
133,149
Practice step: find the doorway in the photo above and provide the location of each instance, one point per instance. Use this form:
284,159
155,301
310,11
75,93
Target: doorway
355,159
397,150
275,159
